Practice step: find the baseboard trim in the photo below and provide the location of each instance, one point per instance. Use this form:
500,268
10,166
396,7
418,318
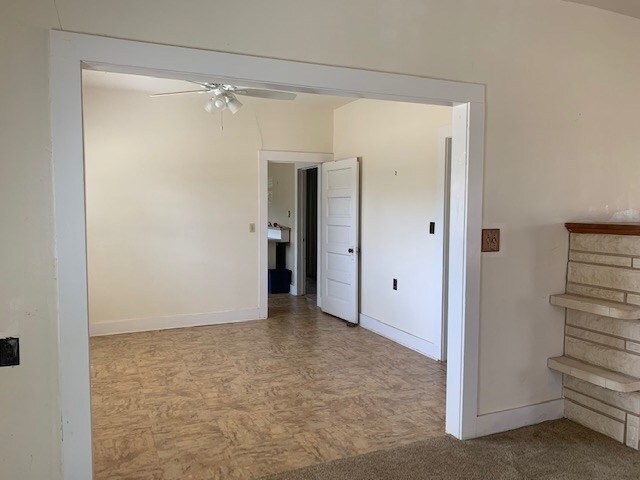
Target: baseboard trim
419,345
114,327
505,420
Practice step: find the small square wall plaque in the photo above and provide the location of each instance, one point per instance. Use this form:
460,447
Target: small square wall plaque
490,239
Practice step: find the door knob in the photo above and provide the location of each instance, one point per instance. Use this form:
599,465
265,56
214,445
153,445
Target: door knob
351,250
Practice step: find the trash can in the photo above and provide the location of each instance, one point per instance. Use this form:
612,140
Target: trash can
279,280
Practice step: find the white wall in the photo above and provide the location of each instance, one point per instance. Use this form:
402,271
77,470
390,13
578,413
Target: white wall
402,190
282,207
561,144
170,198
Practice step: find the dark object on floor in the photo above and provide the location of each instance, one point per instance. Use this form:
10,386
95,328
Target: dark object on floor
279,280
557,450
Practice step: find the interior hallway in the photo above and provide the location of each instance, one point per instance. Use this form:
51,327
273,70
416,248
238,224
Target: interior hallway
240,401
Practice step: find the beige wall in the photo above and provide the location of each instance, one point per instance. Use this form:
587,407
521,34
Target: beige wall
561,143
170,198
402,190
282,206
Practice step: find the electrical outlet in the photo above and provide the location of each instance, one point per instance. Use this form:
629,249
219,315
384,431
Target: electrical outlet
9,352
395,284
490,239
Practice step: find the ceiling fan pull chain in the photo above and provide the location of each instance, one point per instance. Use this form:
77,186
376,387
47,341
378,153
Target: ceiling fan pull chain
221,120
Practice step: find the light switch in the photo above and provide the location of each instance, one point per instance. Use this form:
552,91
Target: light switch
252,228
9,352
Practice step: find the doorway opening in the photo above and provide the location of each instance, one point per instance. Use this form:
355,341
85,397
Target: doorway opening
284,199
293,223
308,221
70,50
293,228
139,299
281,232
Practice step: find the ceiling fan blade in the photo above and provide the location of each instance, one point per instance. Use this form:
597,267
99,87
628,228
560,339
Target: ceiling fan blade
178,93
203,84
271,94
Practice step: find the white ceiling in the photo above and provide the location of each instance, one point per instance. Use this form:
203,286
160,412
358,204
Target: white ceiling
150,85
625,7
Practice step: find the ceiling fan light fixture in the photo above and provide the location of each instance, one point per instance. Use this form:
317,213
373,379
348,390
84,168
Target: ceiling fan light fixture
233,103
219,102
208,107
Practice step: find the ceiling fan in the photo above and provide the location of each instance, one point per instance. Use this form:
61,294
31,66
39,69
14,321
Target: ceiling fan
223,96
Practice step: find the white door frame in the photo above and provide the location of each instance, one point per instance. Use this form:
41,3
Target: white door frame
278,156
70,52
444,135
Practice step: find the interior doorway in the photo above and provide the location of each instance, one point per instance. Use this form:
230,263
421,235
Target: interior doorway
295,251
293,225
68,51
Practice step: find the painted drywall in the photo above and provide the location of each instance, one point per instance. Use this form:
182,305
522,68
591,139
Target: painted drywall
561,144
402,190
282,207
170,198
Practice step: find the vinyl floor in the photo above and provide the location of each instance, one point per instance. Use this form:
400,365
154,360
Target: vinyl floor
245,400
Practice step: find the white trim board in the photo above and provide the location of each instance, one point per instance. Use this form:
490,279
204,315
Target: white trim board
505,420
424,347
444,153
115,327
71,52
282,156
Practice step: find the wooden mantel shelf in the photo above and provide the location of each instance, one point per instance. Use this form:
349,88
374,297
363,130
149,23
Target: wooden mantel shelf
605,228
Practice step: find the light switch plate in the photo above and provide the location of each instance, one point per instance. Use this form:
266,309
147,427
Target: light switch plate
252,227
9,352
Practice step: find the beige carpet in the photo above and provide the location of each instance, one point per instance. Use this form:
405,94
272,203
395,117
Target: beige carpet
558,450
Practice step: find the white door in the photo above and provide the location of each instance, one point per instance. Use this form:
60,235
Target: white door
340,238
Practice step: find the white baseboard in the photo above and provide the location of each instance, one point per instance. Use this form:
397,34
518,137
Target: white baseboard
519,417
114,327
420,345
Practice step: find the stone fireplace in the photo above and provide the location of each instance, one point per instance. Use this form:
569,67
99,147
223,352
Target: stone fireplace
601,362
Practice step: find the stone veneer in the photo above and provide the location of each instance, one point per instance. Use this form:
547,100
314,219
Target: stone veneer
606,267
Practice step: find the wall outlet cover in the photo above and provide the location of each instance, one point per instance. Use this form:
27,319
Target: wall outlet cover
490,239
